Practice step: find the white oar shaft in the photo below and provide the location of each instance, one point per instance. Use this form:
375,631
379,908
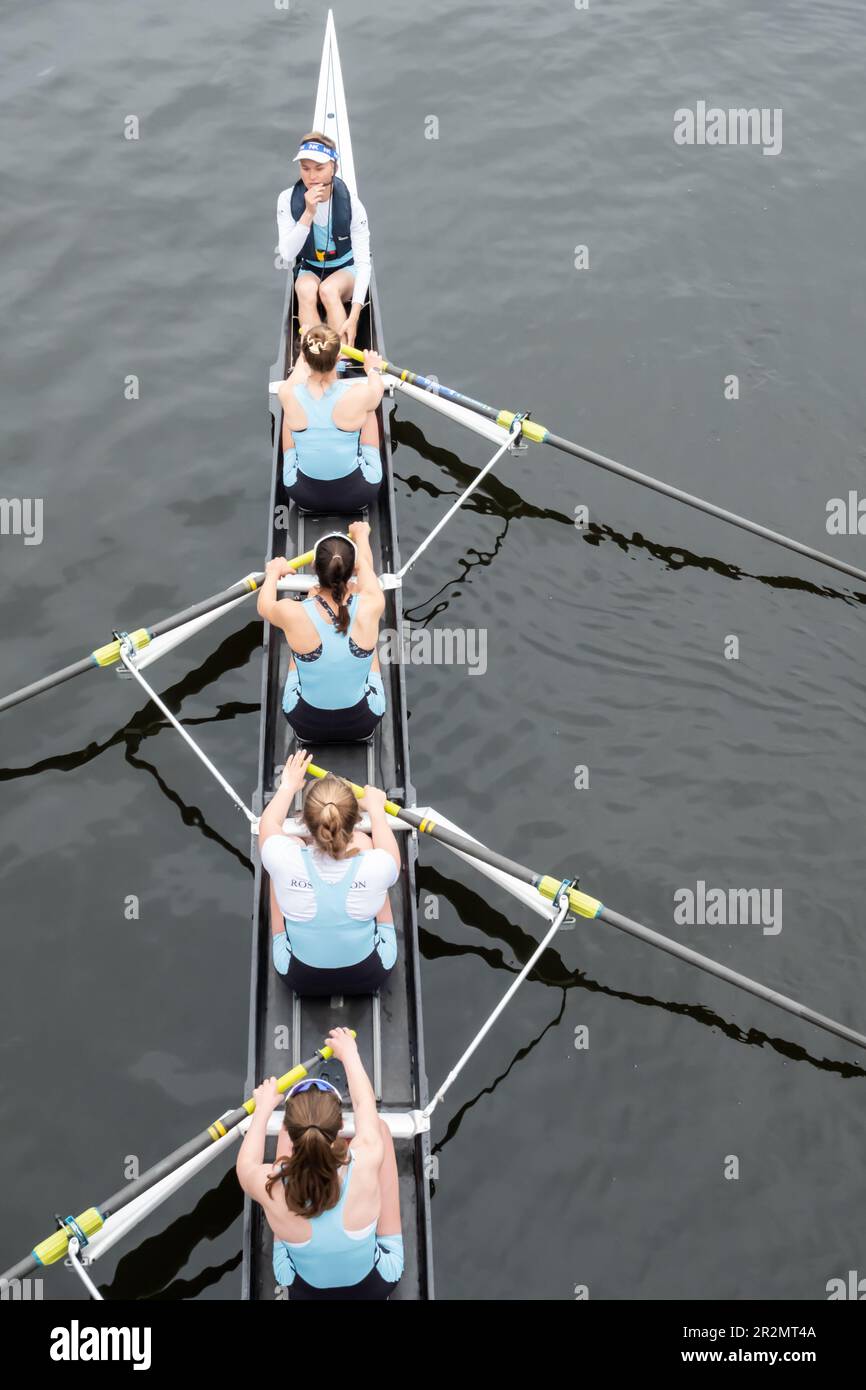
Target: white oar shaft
524,892
136,1211
503,1004
458,413
161,646
127,656
464,496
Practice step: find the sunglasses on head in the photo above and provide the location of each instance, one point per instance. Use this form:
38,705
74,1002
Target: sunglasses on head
311,1082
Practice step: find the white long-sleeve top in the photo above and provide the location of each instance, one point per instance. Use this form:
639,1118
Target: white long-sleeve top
292,236
369,874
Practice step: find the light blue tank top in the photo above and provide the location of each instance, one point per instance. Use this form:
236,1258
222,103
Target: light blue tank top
332,939
331,1259
336,678
325,242
324,451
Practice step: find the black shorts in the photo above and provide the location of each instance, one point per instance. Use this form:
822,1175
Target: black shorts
312,725
321,271
372,1287
366,977
333,496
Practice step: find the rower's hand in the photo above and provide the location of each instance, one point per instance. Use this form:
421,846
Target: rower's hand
373,801
267,1096
349,331
342,1043
314,196
278,568
295,770
372,362
359,531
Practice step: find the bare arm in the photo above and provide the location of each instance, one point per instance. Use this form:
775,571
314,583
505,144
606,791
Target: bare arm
352,410
268,605
369,588
373,802
250,1166
277,809
368,1135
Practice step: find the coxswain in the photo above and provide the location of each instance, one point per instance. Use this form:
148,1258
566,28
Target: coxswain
323,228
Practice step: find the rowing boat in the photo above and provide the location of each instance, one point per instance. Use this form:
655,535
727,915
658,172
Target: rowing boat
389,1028
286,1033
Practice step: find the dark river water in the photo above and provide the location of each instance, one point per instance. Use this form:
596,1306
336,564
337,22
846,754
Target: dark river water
609,647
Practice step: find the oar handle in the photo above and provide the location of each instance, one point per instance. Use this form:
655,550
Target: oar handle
390,806
291,1078
301,560
357,356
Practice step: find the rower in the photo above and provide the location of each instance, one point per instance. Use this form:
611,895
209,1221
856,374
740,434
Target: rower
332,1204
331,922
334,691
323,228
332,461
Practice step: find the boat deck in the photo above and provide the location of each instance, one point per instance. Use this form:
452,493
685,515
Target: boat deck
283,1028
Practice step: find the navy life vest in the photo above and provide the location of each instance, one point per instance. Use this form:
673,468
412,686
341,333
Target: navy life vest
341,223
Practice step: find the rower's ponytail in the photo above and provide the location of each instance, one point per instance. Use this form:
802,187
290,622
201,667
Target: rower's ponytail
310,1176
320,347
335,565
331,812
338,582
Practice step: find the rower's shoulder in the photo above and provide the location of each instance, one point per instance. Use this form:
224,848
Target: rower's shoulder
293,382
284,202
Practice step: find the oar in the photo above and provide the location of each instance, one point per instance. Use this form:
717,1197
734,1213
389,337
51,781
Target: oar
585,906
540,435
54,1248
110,654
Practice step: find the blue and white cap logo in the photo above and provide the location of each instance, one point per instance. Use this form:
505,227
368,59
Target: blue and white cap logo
312,149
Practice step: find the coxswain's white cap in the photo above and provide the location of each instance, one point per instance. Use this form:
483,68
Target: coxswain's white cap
312,149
